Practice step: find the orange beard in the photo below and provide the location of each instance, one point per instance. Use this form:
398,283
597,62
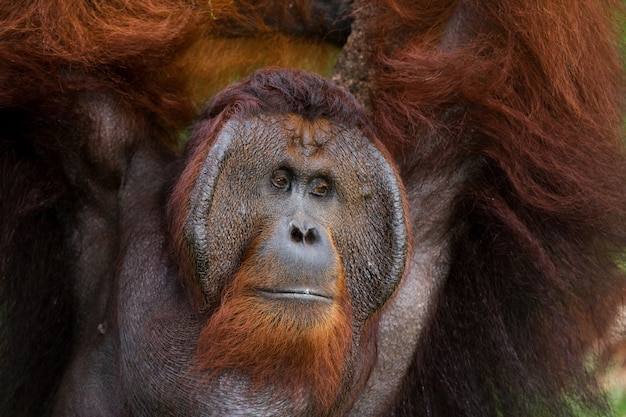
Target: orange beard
300,347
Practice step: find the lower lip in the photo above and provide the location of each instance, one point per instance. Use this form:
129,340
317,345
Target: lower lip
300,295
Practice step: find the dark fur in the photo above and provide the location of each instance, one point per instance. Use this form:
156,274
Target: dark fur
528,98
525,100
59,60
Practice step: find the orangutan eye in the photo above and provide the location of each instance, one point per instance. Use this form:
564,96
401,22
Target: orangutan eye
320,187
281,179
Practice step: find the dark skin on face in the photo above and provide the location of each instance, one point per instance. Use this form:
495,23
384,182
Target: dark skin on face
288,314
285,316
298,245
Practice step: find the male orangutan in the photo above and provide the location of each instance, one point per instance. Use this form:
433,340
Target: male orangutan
446,244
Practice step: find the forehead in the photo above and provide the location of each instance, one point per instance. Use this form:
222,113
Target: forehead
290,132
253,146
307,137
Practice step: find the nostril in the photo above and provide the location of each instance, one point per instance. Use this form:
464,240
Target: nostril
295,234
306,235
310,236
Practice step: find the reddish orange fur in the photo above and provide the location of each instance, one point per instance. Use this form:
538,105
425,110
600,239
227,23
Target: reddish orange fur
165,55
158,60
534,101
551,121
300,348
532,94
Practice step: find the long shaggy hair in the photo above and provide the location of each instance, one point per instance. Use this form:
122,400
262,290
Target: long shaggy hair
528,97
156,61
